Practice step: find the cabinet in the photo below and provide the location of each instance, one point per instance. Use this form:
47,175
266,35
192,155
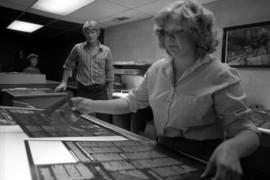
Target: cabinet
128,74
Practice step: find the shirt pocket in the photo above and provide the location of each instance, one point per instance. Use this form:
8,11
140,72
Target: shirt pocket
198,109
100,64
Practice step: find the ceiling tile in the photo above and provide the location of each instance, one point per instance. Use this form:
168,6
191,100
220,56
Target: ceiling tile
106,24
4,23
103,11
19,4
47,32
25,2
7,13
155,7
34,18
131,3
63,25
206,1
43,13
97,10
73,19
133,15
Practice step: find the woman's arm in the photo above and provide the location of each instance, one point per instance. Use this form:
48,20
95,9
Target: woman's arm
243,144
114,106
225,159
136,99
242,138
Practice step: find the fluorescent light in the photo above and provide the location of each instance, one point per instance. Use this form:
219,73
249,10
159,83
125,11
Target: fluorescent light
60,7
24,26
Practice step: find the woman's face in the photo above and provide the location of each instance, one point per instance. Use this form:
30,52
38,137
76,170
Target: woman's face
177,41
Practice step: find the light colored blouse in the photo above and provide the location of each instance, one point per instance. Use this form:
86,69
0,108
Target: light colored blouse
206,102
92,67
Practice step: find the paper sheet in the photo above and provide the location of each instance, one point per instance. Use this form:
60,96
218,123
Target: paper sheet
50,152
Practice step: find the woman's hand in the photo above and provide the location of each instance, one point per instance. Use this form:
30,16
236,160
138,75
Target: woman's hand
83,105
224,164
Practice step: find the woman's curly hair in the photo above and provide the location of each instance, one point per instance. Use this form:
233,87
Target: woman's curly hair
195,19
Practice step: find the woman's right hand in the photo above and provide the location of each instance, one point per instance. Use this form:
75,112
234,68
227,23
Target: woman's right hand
61,87
82,105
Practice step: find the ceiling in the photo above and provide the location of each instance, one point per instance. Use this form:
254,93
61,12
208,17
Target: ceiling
106,12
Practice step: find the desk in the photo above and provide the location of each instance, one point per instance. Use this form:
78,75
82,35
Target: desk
27,97
41,84
14,162
21,156
46,84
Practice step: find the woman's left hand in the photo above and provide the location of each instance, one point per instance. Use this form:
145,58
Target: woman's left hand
224,164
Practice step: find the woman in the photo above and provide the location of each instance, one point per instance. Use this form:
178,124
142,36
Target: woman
196,100
32,68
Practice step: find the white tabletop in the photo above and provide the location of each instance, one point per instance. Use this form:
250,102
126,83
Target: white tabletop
13,157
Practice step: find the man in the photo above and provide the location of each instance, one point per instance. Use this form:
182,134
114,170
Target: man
33,62
94,67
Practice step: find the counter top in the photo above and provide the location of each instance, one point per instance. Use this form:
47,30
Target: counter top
28,158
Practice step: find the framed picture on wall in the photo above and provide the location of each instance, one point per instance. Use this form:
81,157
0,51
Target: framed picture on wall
247,45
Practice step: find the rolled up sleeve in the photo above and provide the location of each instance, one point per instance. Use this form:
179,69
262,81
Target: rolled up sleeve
109,68
71,59
138,97
232,109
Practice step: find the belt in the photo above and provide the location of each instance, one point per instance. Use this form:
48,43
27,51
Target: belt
202,149
93,85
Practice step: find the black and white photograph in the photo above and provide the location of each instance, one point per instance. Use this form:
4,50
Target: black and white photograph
134,90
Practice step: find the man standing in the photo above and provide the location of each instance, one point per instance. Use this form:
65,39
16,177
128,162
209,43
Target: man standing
94,67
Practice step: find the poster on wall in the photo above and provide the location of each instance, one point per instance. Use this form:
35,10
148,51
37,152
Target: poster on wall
247,45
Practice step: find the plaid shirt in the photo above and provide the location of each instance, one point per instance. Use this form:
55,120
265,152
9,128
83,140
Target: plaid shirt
93,67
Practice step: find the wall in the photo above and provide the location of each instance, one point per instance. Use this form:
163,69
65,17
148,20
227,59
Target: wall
136,41
232,13
54,53
133,41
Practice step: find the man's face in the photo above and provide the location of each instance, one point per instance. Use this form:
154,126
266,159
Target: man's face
34,61
91,35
